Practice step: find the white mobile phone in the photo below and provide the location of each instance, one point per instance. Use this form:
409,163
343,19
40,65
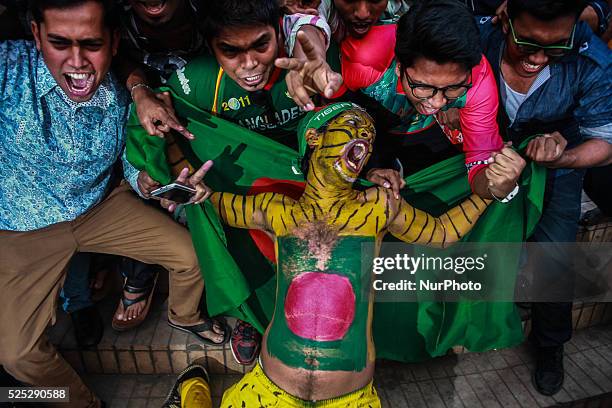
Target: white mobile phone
177,192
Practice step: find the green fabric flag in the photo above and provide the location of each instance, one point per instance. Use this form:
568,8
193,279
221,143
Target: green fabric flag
240,280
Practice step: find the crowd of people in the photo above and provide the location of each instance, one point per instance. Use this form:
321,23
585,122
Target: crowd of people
375,90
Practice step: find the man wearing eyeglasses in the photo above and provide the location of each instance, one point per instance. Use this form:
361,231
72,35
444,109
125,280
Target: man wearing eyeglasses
437,65
555,79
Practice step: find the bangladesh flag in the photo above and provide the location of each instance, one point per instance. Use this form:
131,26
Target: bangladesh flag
238,265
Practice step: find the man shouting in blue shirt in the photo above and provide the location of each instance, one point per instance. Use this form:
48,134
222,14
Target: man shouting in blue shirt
62,119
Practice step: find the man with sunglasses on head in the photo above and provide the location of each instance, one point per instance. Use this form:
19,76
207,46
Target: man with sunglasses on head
437,65
555,79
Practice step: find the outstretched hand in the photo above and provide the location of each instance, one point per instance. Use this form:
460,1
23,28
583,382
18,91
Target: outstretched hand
156,114
310,76
193,181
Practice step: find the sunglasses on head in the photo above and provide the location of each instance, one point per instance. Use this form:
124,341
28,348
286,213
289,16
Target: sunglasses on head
553,51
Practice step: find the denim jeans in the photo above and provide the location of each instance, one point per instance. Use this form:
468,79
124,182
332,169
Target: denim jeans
552,321
76,293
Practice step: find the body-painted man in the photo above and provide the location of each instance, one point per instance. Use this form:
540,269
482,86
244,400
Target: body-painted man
240,83
318,346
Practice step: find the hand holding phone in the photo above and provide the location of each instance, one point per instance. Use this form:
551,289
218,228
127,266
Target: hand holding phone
177,192
192,188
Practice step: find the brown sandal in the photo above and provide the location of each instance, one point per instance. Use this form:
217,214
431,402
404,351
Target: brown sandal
146,294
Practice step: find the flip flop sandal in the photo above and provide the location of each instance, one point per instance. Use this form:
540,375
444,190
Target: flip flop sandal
146,294
203,327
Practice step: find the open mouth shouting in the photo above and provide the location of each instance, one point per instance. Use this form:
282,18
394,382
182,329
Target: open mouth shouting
80,84
253,81
354,157
153,8
360,28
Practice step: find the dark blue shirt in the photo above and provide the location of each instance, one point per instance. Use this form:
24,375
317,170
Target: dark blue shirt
573,96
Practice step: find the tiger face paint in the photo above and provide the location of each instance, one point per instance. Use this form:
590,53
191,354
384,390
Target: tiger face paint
343,147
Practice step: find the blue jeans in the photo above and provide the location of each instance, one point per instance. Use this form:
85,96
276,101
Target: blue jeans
552,321
76,294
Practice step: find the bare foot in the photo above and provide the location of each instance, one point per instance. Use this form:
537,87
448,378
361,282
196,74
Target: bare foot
132,311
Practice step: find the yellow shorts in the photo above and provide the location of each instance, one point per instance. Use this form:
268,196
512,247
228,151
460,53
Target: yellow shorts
256,390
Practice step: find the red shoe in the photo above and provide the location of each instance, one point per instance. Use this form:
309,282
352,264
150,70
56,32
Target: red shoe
245,343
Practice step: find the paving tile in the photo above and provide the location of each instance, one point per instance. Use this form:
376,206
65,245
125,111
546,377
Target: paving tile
413,395
161,362
137,403
144,362
119,403
143,386
576,312
395,395
511,357
92,362
573,389
178,340
104,386
197,355
384,402
481,362
430,394
161,335
482,391
586,365
516,387
585,317
592,338
497,360
499,389
125,387
447,392
436,368
109,361
524,374
127,365
215,361
420,372
179,361
125,340
162,386
600,362
144,333
155,402
466,364
466,393
581,378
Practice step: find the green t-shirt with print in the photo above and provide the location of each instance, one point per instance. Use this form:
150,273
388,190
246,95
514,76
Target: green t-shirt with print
270,112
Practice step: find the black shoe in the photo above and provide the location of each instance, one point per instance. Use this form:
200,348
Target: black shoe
548,375
245,343
88,326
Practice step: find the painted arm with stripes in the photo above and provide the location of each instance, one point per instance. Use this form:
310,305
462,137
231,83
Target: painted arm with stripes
245,211
416,226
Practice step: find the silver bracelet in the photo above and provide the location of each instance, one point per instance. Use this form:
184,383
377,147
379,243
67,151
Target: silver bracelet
507,198
139,85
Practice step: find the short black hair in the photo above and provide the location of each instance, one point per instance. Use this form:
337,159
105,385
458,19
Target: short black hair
545,10
439,30
111,13
220,14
